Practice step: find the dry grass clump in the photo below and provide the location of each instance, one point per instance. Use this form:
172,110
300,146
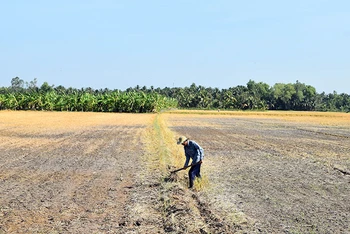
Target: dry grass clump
178,204
167,155
201,183
164,152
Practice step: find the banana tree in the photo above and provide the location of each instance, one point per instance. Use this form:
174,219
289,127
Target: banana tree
2,98
11,101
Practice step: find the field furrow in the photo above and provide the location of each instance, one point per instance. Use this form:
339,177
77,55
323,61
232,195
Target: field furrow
78,182
64,172
276,175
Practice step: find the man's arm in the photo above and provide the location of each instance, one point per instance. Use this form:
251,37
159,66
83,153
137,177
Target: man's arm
201,153
187,161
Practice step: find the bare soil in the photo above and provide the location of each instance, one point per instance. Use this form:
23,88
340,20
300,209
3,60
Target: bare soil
68,172
110,173
272,175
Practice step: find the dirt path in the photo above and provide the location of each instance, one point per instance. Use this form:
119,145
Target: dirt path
276,176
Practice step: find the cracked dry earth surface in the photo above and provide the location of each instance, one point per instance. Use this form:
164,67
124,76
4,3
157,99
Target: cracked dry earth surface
273,175
63,172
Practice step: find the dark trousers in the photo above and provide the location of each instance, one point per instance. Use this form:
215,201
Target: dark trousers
194,172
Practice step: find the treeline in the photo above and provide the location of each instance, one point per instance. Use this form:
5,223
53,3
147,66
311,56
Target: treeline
254,96
28,96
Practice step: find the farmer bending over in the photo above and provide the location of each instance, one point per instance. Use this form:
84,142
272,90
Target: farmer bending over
195,152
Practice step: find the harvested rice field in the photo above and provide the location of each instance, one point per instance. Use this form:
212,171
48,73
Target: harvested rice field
263,172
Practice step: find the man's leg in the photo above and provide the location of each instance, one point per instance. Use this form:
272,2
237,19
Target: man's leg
191,176
194,171
199,171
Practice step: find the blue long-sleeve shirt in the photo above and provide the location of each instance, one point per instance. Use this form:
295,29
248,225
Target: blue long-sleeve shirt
193,151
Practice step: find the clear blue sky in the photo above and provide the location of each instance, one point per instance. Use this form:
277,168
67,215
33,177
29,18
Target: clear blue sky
222,43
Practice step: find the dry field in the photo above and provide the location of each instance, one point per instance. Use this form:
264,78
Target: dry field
264,172
68,172
275,172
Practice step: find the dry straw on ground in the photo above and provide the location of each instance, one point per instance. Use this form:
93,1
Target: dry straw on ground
269,172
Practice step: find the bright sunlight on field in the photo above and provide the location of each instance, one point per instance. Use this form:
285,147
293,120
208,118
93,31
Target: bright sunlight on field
270,172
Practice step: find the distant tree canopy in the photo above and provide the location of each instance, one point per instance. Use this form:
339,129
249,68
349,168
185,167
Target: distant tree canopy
27,96
254,96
